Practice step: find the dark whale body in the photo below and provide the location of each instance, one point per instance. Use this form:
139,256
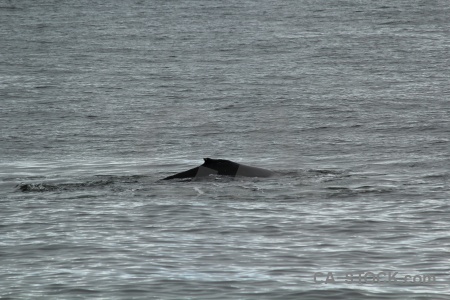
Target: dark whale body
221,167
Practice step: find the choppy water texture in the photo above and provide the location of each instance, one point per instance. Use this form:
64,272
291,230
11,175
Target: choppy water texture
348,101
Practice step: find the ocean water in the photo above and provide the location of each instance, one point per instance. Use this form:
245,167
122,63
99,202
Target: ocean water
347,101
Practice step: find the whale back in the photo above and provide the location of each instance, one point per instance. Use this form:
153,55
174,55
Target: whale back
221,167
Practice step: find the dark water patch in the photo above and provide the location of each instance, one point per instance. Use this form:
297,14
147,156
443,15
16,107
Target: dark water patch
396,23
11,7
230,106
85,196
326,172
43,86
51,247
373,189
443,176
441,241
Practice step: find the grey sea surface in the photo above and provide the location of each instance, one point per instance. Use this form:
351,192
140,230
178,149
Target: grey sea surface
347,101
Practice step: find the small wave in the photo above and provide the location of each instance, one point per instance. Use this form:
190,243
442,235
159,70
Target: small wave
341,191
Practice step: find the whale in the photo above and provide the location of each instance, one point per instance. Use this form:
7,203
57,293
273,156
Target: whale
221,167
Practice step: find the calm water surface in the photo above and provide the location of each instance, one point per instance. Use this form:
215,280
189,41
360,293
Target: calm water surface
348,101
